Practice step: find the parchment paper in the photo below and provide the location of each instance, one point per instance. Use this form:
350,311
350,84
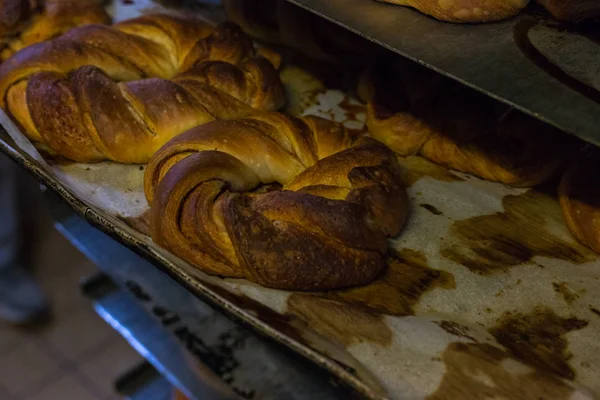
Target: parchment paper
487,294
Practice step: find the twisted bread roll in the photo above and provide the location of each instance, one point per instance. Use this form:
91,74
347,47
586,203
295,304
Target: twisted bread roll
25,22
69,93
466,10
579,194
456,127
328,226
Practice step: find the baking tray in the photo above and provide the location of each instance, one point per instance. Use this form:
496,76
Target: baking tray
483,270
538,66
125,235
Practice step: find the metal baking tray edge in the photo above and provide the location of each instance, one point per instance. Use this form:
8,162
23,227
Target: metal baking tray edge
120,232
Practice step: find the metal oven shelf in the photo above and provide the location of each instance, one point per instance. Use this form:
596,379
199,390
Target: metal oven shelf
198,349
551,72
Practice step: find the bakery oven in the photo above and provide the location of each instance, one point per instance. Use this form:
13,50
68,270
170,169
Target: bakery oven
326,199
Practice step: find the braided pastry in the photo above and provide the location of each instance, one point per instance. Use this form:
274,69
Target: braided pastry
579,194
25,22
83,94
326,228
454,126
465,10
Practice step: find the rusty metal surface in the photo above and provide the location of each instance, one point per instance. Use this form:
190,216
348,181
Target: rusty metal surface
549,71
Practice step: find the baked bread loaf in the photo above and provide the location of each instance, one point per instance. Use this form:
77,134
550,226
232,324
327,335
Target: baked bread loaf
572,10
579,195
119,93
416,111
25,22
465,10
326,228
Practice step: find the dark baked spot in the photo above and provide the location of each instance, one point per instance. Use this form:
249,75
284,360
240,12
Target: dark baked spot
538,339
339,322
288,255
563,289
495,242
431,209
400,287
456,329
477,371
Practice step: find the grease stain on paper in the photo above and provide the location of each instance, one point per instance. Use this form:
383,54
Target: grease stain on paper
482,371
302,89
495,242
400,287
355,315
140,223
353,111
339,322
431,209
456,329
563,289
538,339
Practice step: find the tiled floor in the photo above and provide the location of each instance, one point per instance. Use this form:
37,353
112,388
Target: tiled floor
75,356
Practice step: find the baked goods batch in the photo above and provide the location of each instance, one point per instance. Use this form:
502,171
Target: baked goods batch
416,111
86,96
413,111
120,92
471,11
25,22
242,191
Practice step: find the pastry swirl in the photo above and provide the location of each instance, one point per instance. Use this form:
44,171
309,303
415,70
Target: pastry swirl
326,228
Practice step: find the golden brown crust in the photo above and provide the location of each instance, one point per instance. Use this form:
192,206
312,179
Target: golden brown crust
25,22
572,10
579,194
465,10
328,226
82,94
456,127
